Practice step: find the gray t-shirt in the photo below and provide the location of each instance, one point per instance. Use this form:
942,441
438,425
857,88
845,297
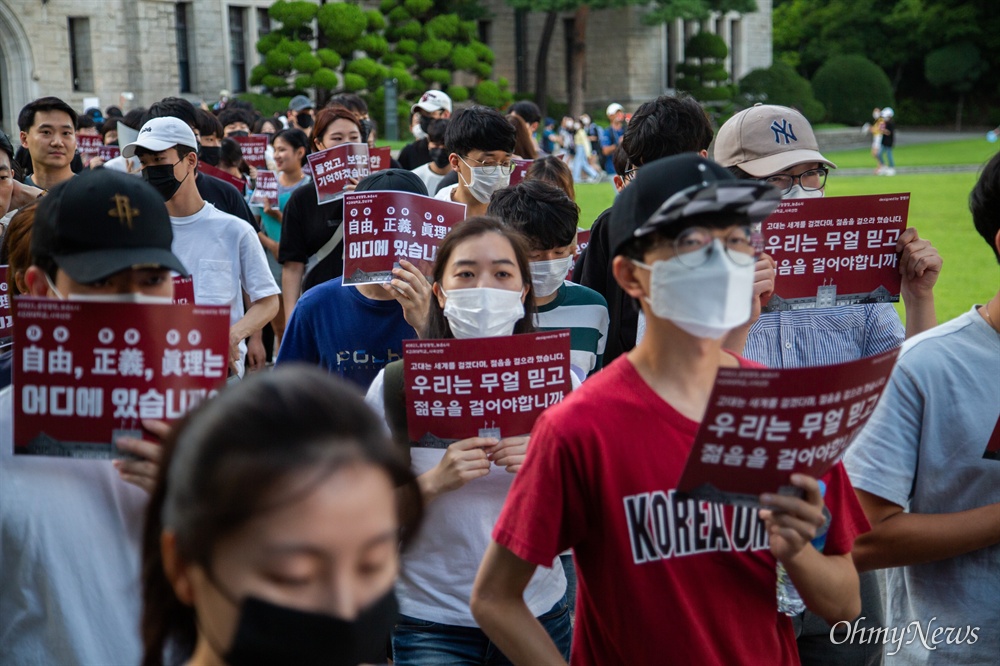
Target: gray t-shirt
923,450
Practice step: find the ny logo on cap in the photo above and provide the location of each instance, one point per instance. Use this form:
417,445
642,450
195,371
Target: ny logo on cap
123,210
783,130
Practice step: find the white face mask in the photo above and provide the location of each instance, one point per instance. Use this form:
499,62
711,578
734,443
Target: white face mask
131,297
548,276
796,192
481,312
418,132
707,301
483,185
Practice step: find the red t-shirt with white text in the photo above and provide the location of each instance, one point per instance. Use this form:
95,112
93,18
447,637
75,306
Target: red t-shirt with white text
660,579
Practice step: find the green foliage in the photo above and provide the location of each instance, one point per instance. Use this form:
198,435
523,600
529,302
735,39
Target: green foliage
463,57
266,104
354,82
387,6
705,45
458,93
330,58
483,52
434,51
781,84
278,61
406,46
418,7
488,93
374,45
404,80
307,62
444,26
342,23
257,74
956,66
483,70
850,86
268,42
438,76
398,15
293,15
376,21
325,79
303,81
703,73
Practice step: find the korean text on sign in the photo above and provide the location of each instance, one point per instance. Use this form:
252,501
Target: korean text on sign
6,320
333,169
254,148
267,189
482,386
88,372
762,426
835,250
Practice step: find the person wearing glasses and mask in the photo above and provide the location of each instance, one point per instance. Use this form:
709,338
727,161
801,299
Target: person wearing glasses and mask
481,144
776,145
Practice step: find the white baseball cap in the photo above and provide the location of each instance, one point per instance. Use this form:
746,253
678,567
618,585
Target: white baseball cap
614,108
431,101
162,133
887,112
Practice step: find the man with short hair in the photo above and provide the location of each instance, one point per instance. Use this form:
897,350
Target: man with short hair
613,135
434,171
70,529
235,122
300,113
529,112
432,105
48,133
481,145
931,495
224,254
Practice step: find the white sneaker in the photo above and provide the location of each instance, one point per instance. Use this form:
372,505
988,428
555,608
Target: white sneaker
879,171
890,172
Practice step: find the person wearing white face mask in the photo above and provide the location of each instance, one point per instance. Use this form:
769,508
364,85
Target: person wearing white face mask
481,144
481,289
548,219
103,235
777,145
605,462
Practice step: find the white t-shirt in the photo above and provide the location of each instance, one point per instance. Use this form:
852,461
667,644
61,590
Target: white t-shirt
70,554
223,255
435,581
121,164
444,194
430,178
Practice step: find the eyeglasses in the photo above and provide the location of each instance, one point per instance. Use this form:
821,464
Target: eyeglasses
489,169
814,179
629,174
693,246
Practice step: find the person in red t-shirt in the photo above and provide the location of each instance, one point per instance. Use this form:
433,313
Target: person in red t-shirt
663,577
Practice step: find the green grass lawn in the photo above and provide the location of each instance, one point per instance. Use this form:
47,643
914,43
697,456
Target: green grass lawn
938,209
972,151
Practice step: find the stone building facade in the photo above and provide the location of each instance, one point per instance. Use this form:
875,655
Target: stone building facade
133,52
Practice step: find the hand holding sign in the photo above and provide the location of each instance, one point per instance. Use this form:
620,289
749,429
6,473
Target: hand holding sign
144,471
413,292
919,265
792,522
510,453
463,461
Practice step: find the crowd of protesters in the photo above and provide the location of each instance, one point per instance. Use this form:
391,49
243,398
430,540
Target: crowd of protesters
290,519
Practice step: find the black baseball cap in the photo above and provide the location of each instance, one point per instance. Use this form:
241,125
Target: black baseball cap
676,192
396,180
101,222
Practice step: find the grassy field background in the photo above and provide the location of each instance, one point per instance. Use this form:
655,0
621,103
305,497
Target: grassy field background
938,209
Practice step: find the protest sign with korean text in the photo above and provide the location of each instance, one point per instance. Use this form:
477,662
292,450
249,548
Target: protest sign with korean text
184,290
482,387
88,146
108,153
254,149
379,158
993,446
764,425
582,241
6,320
520,171
87,373
835,250
267,188
333,169
224,176
380,228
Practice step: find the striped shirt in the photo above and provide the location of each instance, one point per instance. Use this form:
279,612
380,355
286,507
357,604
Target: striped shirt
585,313
823,336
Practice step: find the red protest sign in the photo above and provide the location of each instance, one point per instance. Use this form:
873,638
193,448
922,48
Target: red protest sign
254,149
380,158
382,227
333,168
224,176
485,387
108,153
6,320
520,171
764,425
88,146
267,188
835,250
184,290
993,446
582,241
88,372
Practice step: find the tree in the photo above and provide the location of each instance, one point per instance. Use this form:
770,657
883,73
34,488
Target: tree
957,67
780,84
850,86
703,72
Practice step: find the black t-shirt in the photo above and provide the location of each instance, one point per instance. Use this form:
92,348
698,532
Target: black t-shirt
225,197
414,154
889,138
306,227
593,270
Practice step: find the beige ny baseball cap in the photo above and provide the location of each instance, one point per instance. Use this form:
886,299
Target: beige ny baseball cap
766,139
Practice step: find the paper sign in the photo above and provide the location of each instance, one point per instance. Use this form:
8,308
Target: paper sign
482,387
993,446
380,158
108,153
224,176
126,134
380,228
86,373
6,320
254,148
184,290
835,250
520,171
267,188
88,147
334,167
582,241
764,425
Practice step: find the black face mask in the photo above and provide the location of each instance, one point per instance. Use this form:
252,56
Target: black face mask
161,177
239,133
210,154
304,120
425,123
271,634
366,129
439,156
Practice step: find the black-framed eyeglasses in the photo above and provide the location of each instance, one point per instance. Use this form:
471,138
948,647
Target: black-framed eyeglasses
814,179
693,246
506,168
629,174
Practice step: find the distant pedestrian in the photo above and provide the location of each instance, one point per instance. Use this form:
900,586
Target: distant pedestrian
888,141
